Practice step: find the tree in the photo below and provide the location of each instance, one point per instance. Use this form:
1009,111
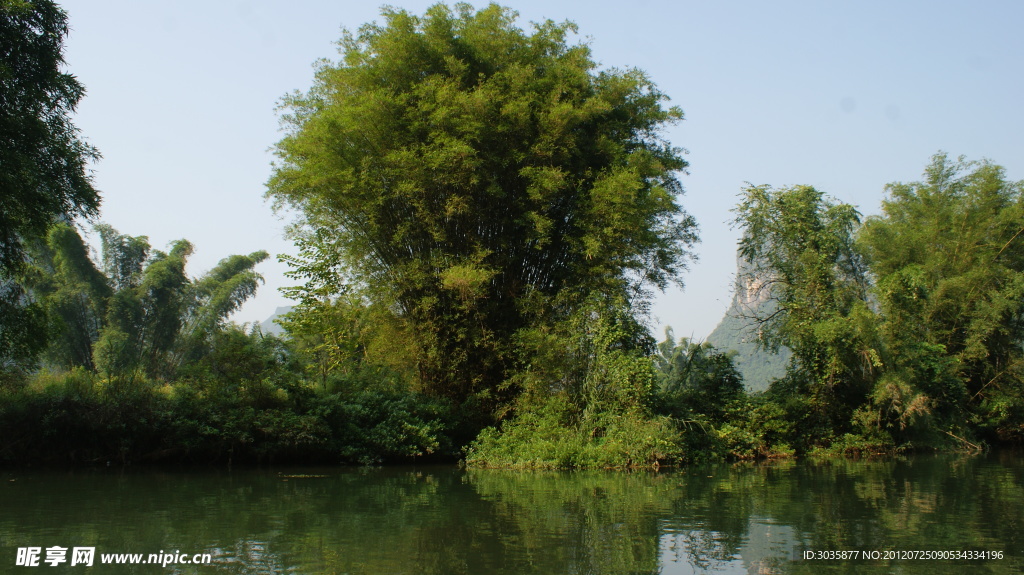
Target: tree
588,397
65,281
44,161
948,255
696,379
478,180
138,312
800,246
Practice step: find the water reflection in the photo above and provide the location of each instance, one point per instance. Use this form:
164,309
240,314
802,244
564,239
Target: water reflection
724,519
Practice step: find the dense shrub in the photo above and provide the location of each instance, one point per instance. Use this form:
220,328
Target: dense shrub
79,418
550,437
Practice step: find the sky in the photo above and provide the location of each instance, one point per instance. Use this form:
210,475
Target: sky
847,97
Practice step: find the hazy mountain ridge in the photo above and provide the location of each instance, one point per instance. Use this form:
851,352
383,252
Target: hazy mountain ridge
269,325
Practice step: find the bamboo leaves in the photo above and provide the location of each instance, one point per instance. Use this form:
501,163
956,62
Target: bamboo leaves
468,173
140,315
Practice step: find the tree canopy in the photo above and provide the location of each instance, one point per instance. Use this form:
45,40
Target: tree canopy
948,257
44,161
478,179
43,175
906,329
138,312
801,251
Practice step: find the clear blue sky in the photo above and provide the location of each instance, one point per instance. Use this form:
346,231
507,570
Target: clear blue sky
843,96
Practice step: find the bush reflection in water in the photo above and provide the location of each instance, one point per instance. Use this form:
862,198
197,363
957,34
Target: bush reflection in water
733,519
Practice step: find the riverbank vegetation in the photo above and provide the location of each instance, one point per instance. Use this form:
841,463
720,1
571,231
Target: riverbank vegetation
483,219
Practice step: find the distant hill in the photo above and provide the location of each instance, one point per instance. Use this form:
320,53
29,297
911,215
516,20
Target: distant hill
757,366
270,326
736,333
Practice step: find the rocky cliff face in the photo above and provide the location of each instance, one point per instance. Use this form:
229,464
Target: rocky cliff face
737,332
750,291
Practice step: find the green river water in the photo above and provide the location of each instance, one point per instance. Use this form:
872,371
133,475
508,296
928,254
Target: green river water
922,514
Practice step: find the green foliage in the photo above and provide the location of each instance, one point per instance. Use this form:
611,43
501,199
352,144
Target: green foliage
44,162
597,357
74,294
701,389
137,313
736,334
801,250
336,331
758,429
586,402
243,402
23,331
478,181
483,216
948,254
375,426
553,436
934,356
696,380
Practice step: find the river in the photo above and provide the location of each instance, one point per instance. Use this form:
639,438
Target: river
921,514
